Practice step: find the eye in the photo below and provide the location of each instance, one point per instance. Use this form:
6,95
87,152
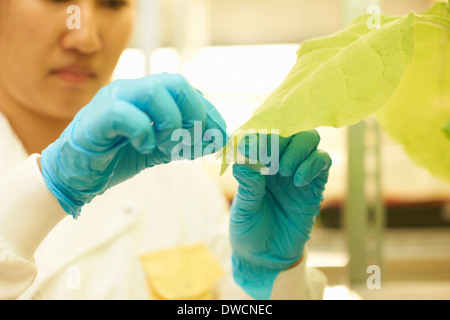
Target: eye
114,4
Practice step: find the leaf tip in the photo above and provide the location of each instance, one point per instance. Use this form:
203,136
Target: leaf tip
446,130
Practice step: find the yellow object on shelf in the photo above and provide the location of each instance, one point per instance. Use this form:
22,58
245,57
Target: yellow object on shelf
182,273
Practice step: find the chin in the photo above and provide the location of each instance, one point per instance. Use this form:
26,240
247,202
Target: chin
65,109
66,101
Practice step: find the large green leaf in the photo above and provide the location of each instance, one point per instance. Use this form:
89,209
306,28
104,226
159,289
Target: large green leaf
341,79
337,80
417,113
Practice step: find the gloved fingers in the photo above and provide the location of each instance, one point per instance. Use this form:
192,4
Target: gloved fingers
186,97
194,108
123,119
150,96
252,185
263,148
215,126
188,100
299,149
316,166
210,136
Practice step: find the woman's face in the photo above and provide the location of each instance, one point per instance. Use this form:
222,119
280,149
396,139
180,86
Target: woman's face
54,59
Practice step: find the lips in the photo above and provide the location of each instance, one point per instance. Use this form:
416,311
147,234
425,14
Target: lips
74,74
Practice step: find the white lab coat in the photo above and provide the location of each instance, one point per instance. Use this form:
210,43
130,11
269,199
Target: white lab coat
45,254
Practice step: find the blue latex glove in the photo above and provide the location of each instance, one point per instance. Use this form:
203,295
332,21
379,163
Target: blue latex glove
272,216
126,128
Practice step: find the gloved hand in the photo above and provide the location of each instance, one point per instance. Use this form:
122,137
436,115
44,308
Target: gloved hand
272,216
126,128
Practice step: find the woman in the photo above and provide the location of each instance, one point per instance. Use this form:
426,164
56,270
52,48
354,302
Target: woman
71,143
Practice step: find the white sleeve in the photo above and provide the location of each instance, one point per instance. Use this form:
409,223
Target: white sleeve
300,283
28,212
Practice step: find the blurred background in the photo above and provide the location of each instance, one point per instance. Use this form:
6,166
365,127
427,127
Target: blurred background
380,208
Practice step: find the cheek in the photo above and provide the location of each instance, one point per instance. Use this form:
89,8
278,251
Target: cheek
19,55
26,39
117,37
20,25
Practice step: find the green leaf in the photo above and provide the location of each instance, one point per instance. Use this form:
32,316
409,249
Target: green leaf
337,80
446,130
417,115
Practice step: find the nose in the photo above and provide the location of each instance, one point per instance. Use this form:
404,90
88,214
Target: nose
84,35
